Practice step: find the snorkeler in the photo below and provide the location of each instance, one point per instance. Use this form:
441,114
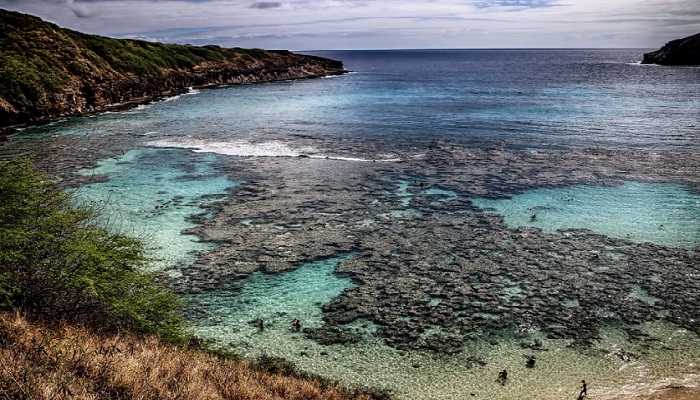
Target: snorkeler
530,361
502,377
296,325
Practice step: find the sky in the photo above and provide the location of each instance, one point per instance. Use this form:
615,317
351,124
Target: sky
378,24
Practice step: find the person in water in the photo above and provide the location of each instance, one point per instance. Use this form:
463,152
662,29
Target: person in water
584,389
503,377
296,325
530,361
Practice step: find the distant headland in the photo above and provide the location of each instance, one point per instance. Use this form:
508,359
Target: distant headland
50,72
684,51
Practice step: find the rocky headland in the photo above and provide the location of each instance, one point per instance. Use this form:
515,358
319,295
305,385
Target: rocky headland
684,51
51,73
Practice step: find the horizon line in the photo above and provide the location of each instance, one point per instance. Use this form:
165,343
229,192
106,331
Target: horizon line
474,49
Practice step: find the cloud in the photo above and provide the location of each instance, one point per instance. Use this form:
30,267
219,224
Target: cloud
31,6
516,4
263,5
344,24
80,10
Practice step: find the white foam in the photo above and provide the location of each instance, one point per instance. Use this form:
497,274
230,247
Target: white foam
357,159
168,99
241,148
244,148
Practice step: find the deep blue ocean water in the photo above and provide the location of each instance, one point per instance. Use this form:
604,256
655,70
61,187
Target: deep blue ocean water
395,104
530,98
546,99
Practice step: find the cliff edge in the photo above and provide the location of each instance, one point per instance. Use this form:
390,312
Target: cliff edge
684,51
47,72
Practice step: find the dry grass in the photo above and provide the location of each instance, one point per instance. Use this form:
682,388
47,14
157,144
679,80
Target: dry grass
66,362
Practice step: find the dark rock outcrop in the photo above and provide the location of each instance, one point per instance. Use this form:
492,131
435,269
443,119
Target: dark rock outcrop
684,51
49,72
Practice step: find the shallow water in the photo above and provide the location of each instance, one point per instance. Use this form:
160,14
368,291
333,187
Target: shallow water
229,316
665,214
151,194
234,311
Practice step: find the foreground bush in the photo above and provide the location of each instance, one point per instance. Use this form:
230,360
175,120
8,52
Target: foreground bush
58,263
65,362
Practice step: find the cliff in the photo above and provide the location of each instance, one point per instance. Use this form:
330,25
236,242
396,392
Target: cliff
48,72
684,51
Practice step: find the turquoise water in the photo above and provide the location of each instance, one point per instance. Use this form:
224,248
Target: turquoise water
660,213
151,193
231,311
229,316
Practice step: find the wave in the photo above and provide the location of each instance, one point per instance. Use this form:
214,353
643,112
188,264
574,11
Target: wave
356,159
167,99
244,148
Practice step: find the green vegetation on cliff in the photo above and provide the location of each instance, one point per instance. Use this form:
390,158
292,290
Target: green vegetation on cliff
39,57
47,71
57,263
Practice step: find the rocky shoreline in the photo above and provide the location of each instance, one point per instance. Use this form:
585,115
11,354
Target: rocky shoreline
679,52
123,91
51,73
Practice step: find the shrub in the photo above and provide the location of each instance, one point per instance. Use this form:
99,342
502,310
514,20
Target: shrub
57,262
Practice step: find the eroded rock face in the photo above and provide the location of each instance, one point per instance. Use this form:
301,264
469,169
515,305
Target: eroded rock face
684,51
111,90
49,72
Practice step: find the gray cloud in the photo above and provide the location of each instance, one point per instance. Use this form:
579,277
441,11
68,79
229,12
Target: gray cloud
517,3
80,10
266,5
329,24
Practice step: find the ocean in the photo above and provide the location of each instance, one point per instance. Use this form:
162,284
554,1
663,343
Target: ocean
432,217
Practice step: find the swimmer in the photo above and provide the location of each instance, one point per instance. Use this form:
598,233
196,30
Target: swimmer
502,377
296,325
530,361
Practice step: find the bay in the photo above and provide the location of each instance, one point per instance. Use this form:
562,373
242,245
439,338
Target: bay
390,209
